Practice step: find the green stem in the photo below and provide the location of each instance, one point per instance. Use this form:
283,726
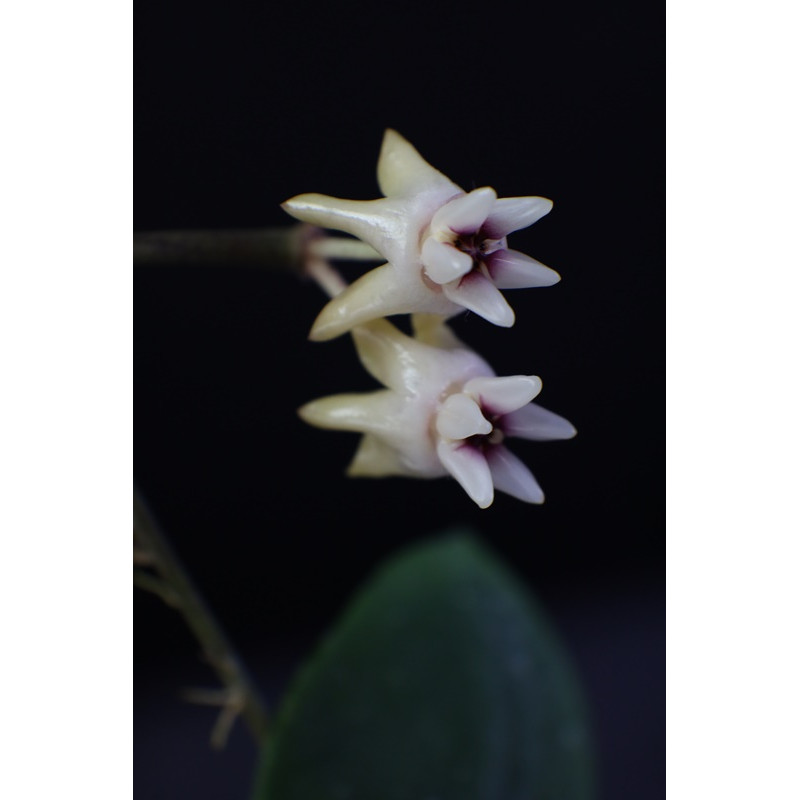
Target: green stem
273,248
185,597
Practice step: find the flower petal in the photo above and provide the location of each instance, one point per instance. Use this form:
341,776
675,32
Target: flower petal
444,263
513,213
376,459
466,213
460,417
391,357
378,293
511,476
477,293
413,367
403,171
468,466
537,423
431,329
513,270
381,223
371,412
506,394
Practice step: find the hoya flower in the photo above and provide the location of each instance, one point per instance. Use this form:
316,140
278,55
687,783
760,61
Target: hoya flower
446,248
443,412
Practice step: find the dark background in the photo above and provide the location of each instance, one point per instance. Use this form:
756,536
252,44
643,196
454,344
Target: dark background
240,106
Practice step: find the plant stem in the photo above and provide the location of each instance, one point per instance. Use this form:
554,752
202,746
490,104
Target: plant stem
274,248
185,597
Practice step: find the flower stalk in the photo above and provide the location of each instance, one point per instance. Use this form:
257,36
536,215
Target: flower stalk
170,581
275,248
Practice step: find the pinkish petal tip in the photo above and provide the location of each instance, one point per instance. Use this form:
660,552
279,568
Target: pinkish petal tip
537,423
511,214
511,476
468,466
477,293
511,269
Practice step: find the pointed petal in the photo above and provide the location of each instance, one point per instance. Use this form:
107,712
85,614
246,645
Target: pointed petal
537,423
465,214
460,417
511,476
506,394
514,270
402,171
513,213
443,262
410,367
375,459
362,413
468,466
431,329
379,293
377,222
477,293
391,357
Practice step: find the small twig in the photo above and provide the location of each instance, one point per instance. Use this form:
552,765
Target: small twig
229,701
154,585
207,697
171,579
326,276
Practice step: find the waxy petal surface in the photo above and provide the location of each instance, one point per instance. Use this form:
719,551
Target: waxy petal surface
360,413
460,417
537,423
378,293
511,476
468,466
403,171
477,293
511,269
511,214
434,331
376,459
391,357
502,395
465,214
443,262
381,223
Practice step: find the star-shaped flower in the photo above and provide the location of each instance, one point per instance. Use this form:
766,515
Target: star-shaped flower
446,249
443,411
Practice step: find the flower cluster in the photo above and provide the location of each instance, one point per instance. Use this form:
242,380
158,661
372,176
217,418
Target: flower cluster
443,411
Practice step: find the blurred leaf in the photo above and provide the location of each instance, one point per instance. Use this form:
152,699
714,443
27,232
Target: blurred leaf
442,681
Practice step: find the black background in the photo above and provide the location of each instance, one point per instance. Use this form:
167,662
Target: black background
240,106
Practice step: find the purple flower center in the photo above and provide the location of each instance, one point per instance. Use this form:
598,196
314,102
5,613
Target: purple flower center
478,246
484,441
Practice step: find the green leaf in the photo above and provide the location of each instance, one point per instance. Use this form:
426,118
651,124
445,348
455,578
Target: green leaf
442,681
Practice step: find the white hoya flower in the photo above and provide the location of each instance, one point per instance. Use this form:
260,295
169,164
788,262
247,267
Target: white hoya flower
443,412
446,249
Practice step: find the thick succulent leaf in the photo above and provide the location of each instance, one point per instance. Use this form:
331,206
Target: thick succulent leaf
442,680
